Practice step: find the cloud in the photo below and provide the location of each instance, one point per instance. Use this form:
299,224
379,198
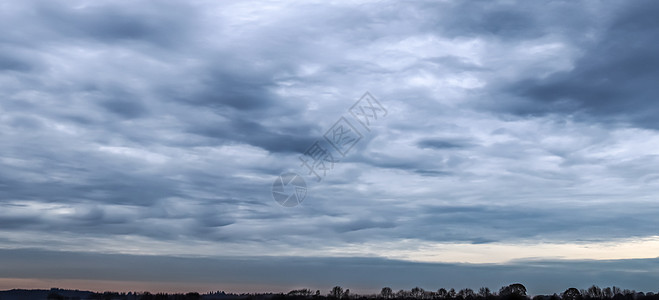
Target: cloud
613,81
442,144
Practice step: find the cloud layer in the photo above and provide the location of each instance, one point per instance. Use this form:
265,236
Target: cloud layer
359,274
132,127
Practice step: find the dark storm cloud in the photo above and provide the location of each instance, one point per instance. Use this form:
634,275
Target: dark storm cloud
122,103
13,61
357,225
106,22
494,224
443,143
238,89
614,81
294,139
498,223
508,21
98,178
482,18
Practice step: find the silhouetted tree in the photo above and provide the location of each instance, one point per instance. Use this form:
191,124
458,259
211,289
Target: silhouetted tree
386,293
516,291
466,294
484,292
451,293
571,294
300,293
513,289
336,292
442,293
607,293
417,293
192,296
594,292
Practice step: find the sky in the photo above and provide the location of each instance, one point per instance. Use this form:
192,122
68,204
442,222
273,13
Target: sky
465,144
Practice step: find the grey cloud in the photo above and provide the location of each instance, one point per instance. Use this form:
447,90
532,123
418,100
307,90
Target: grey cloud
127,108
253,133
240,89
614,81
444,143
26,123
452,63
111,23
122,103
508,21
425,172
363,224
496,222
11,62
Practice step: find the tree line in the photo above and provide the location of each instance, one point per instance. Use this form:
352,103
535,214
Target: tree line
515,291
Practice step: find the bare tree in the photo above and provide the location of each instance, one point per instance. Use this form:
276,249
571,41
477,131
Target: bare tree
607,293
336,292
594,292
417,293
484,292
302,293
466,293
386,293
